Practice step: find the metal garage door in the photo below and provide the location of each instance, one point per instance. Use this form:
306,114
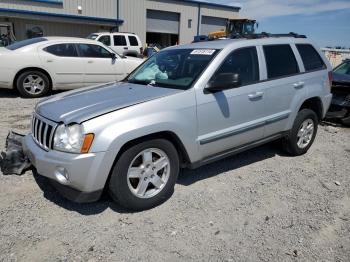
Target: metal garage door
212,24
163,22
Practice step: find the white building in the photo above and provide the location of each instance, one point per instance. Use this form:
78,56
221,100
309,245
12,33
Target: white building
156,21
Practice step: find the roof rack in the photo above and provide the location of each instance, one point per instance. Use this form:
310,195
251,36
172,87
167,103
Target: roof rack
267,35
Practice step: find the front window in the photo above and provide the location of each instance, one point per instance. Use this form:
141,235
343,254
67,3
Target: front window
105,39
177,69
243,62
94,51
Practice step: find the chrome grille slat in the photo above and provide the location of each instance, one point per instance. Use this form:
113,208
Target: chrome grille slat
43,131
51,137
45,135
39,131
36,128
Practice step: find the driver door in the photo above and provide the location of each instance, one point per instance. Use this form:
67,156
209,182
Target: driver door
100,66
234,117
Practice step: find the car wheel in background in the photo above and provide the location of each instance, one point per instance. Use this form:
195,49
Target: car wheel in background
346,120
145,175
303,133
33,84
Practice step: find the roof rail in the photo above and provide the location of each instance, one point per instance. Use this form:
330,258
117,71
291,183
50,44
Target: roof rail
267,35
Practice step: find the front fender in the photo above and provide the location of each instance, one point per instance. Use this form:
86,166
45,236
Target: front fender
114,130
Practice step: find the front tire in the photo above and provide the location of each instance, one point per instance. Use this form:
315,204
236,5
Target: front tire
303,133
33,84
145,175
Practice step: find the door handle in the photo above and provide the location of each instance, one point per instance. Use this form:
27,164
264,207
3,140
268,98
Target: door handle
90,62
256,96
126,48
299,85
49,61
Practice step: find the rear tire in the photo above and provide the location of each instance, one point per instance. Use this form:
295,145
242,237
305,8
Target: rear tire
145,175
303,133
33,84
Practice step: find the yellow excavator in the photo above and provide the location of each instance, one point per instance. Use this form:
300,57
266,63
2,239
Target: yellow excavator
235,28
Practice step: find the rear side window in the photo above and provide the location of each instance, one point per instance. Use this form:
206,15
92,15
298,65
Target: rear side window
311,59
133,41
119,40
105,39
65,50
280,61
243,62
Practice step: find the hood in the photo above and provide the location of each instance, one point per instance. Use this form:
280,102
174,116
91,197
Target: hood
86,103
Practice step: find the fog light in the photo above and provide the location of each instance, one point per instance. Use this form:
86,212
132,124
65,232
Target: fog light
62,175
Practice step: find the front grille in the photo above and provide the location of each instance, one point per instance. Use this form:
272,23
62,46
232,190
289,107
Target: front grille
43,131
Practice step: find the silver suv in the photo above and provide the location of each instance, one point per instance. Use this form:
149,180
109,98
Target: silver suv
184,107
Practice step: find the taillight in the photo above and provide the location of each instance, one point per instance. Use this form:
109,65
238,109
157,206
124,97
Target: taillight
330,78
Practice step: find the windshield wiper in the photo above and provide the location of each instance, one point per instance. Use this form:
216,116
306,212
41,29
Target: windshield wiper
139,82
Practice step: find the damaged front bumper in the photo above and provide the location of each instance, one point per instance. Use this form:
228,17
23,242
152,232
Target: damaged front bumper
75,176
340,107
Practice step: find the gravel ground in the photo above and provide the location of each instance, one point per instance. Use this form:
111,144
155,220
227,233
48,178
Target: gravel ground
260,205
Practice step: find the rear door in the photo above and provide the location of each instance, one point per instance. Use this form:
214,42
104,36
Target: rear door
100,67
285,86
120,44
64,65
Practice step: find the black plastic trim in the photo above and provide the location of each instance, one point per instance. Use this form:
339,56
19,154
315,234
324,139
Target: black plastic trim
237,150
243,129
75,195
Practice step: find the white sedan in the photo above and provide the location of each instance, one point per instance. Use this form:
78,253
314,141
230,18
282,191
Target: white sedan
36,66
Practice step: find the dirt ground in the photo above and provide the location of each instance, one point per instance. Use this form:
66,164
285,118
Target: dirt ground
260,205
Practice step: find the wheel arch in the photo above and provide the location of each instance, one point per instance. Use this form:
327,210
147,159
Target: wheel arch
14,84
167,135
315,104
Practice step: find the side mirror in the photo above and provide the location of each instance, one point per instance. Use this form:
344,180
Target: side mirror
113,56
222,82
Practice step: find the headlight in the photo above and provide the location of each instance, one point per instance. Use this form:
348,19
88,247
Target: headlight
71,139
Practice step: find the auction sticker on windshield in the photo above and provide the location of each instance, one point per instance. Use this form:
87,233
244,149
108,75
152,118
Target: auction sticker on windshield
203,52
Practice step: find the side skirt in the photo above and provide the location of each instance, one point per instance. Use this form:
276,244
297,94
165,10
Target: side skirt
236,150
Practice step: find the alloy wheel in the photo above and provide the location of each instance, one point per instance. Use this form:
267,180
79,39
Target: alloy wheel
148,173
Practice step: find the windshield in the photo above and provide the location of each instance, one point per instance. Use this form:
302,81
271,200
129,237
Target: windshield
178,68
24,43
343,69
92,36
248,28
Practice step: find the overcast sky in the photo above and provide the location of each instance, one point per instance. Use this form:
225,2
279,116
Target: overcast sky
325,21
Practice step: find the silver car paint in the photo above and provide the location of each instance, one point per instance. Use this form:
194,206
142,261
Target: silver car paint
80,105
205,123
